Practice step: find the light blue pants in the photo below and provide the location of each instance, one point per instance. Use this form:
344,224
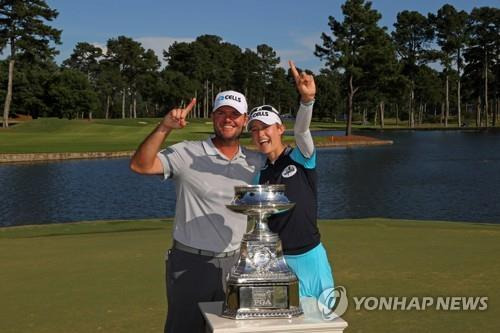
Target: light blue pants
313,271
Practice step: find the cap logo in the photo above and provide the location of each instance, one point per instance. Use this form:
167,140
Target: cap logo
234,98
260,114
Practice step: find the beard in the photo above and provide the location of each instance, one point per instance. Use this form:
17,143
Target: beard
227,139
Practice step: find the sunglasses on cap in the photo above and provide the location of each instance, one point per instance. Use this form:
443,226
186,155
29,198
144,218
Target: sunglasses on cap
265,108
266,114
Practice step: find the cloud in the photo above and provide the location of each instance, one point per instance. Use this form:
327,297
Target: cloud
157,44
102,47
296,55
302,53
309,42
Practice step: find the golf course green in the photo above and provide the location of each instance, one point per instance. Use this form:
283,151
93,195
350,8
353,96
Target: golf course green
108,276
52,135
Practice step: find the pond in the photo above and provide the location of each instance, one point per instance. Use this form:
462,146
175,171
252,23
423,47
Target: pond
433,175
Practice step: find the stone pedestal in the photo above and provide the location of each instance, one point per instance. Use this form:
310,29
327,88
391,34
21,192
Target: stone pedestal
306,323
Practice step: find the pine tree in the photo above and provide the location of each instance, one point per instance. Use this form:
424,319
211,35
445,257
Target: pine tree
451,33
349,48
23,31
412,37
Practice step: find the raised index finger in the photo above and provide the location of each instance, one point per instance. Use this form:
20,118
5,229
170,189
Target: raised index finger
294,70
189,107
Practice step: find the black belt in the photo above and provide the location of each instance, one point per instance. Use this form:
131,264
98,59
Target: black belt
189,249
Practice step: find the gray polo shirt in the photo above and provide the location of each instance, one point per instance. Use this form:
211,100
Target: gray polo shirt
204,183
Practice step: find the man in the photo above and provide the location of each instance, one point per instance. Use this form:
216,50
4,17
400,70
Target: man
206,234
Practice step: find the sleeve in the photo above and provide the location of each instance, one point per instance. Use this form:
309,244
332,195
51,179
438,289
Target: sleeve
172,161
303,137
307,162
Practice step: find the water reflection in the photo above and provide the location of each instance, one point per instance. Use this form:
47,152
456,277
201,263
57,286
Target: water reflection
441,175
80,190
424,175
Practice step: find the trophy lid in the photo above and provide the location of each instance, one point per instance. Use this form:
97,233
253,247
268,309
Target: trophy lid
260,199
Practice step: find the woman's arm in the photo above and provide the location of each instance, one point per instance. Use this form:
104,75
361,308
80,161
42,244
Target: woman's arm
307,90
303,137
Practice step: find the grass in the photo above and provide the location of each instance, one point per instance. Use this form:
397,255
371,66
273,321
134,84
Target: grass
51,135
108,276
61,135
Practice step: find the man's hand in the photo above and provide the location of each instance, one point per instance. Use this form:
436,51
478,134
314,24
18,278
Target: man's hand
304,83
176,118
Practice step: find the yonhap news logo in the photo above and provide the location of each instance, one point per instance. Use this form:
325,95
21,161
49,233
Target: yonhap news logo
333,303
438,303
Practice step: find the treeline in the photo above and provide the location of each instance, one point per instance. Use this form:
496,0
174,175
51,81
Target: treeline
441,67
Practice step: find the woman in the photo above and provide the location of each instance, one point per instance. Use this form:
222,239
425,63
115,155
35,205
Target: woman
296,168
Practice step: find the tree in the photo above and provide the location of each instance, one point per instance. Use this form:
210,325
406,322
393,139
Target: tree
347,50
71,94
428,91
30,85
268,60
328,96
246,77
483,51
411,37
108,84
281,92
208,60
451,33
381,70
174,88
126,53
219,60
85,58
148,76
23,30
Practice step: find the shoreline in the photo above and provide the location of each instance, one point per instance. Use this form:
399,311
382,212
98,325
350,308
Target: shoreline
122,223
333,141
43,157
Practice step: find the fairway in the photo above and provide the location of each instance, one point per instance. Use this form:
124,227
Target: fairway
52,135
108,276
61,135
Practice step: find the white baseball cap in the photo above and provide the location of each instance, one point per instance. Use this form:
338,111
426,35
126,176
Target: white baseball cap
231,98
265,113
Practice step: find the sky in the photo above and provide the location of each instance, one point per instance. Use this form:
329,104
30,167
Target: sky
290,27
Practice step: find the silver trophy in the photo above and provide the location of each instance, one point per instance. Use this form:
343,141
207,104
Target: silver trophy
261,285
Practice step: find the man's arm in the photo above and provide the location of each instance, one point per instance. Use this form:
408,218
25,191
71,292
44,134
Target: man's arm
145,160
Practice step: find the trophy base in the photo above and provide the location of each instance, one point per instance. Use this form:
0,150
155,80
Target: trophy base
261,314
262,300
